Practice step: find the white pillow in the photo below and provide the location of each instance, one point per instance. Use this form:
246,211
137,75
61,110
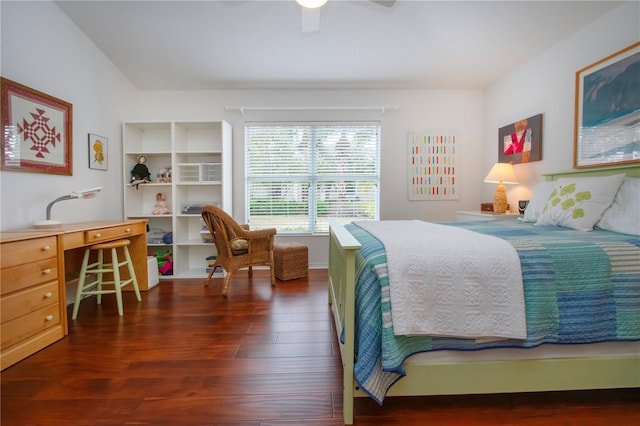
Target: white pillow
579,203
624,214
540,194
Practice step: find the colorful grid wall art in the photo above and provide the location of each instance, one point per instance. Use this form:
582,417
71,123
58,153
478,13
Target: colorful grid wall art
433,161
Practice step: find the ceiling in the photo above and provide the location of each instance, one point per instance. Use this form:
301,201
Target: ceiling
244,44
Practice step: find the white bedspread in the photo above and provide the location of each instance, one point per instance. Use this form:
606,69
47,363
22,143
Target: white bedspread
449,281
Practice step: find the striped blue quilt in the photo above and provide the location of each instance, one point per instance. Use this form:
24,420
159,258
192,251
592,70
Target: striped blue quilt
579,287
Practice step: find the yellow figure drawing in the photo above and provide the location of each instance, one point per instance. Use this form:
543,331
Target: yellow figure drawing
98,152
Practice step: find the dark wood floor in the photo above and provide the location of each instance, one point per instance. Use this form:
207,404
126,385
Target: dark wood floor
187,356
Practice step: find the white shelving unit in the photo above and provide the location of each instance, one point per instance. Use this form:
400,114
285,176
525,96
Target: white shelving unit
190,163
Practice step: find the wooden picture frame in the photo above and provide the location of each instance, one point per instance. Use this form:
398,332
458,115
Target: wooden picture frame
37,134
521,142
607,111
98,152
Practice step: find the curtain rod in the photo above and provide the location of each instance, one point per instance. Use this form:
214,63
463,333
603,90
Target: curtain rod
382,109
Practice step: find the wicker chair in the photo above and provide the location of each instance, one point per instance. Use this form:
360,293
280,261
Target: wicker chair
237,246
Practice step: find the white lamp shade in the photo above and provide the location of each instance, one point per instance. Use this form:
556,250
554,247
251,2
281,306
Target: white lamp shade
501,173
311,4
86,193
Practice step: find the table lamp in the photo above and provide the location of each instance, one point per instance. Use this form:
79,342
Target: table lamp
501,173
84,193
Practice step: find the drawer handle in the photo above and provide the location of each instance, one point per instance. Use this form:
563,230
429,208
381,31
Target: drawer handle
46,271
127,230
46,248
49,318
97,235
48,295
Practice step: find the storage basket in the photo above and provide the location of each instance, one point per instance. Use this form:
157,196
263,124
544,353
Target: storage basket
291,260
152,271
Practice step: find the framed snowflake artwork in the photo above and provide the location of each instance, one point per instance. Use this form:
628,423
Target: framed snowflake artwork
36,131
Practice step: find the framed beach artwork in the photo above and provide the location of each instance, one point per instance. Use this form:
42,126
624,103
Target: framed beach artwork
98,152
37,131
607,111
521,142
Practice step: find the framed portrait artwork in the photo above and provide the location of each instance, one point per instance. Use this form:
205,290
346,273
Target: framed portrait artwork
98,152
607,111
37,131
521,142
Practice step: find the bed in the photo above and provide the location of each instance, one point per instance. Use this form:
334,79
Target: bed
604,353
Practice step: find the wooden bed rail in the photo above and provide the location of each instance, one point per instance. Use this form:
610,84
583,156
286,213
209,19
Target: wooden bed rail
342,260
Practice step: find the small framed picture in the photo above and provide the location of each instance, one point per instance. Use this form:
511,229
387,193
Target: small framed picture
521,142
98,152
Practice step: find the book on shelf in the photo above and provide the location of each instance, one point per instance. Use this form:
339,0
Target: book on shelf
211,260
219,273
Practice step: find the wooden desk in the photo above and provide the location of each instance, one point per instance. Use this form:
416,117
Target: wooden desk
31,293
36,265
77,236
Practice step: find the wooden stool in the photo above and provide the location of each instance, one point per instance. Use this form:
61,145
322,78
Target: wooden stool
99,268
290,260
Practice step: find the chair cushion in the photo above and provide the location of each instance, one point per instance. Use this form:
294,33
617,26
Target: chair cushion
239,246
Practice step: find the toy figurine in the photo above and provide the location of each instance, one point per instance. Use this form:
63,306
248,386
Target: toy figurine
161,205
140,173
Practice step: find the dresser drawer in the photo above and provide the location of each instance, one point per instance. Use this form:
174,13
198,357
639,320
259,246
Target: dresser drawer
28,274
29,325
23,349
116,232
21,303
19,252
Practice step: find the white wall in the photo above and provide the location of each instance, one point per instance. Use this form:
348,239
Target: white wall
546,85
44,50
102,98
417,110
56,58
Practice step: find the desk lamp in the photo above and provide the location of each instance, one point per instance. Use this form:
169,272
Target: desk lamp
84,193
501,173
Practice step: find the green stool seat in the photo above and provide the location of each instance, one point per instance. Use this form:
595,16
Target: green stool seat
99,268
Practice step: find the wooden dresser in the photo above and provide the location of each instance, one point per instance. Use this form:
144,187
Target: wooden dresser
32,293
35,267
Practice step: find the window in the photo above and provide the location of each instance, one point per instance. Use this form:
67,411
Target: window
299,175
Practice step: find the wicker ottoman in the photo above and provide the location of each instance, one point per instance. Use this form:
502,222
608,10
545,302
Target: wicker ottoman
291,260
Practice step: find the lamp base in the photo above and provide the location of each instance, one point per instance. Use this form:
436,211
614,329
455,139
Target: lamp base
47,224
500,203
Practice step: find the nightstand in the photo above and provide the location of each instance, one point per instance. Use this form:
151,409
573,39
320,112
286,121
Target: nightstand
467,216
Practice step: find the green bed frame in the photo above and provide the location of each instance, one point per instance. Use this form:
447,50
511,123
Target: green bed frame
470,377
629,171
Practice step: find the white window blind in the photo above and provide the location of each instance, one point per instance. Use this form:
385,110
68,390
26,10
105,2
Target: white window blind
299,175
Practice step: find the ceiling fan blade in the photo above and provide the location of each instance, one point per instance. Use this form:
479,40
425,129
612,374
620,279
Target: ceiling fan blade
310,20
385,3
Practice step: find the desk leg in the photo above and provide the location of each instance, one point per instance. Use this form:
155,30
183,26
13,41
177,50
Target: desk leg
138,253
